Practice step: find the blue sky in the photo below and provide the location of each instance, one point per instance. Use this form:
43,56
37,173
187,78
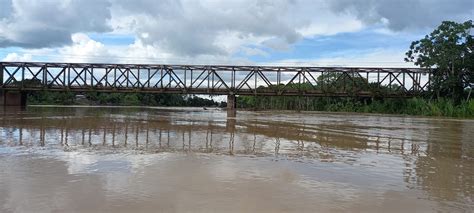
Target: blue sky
343,44
289,32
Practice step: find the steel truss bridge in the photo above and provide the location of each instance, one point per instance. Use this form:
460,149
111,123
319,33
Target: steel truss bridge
215,79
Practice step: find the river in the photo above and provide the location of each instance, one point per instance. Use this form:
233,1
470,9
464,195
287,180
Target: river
114,159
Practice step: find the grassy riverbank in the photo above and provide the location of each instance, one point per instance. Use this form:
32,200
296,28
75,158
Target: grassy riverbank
412,106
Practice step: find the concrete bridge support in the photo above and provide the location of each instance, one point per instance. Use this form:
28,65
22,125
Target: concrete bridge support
231,106
12,98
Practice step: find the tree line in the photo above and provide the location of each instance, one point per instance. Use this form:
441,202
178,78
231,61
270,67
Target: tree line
120,99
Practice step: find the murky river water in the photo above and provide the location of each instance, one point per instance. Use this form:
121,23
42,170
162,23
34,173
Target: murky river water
82,159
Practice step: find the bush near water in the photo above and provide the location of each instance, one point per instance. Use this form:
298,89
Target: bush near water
410,106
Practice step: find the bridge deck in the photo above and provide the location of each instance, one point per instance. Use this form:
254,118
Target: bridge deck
215,79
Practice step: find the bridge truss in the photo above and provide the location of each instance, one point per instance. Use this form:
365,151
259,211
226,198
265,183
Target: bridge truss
215,79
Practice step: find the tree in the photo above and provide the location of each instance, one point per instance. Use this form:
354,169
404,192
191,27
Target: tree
448,49
130,99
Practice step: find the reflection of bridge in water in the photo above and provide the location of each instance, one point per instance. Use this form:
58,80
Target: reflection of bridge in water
212,80
229,136
429,152
431,156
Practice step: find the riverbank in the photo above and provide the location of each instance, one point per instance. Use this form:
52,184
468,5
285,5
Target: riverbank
412,106
443,107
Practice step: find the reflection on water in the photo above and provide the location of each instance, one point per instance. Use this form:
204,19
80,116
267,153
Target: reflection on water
304,161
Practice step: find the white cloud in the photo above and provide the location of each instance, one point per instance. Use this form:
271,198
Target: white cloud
208,27
366,58
340,24
203,31
254,52
50,23
17,57
406,15
84,49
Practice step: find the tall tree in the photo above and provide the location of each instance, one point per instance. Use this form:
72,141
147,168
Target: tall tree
448,49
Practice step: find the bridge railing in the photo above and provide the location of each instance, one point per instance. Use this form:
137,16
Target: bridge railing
214,79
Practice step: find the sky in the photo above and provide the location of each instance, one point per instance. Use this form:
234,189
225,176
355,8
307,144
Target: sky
367,33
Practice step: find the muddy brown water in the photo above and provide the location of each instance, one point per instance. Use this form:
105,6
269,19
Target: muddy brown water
110,159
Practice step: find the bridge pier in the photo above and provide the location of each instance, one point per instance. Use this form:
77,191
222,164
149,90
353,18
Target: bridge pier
231,106
12,98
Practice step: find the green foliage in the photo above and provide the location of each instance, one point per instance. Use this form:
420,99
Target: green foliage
26,83
44,97
412,106
449,49
130,100
119,99
342,82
